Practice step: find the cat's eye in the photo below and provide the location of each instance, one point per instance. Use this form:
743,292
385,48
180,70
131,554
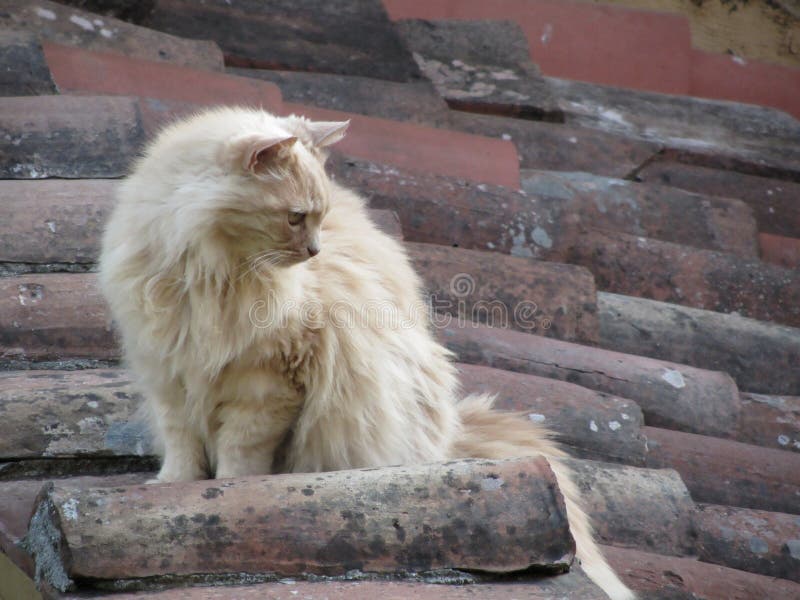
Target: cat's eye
295,218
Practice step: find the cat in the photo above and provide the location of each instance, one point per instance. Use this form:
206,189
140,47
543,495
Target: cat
241,279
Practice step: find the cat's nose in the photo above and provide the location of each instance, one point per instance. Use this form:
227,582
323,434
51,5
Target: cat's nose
313,249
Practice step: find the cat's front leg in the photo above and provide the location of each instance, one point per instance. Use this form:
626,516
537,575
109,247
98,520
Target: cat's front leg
184,453
247,439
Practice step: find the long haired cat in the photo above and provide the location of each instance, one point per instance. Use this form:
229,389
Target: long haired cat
244,283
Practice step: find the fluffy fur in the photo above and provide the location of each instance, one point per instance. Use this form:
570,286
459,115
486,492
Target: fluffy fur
273,328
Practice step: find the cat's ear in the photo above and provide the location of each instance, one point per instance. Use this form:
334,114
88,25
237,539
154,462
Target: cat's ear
325,133
257,153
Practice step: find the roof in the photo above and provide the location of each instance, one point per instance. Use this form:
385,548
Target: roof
652,237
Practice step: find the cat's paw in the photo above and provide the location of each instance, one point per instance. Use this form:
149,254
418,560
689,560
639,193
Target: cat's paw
152,481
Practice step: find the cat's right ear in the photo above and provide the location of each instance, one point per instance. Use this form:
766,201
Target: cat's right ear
258,153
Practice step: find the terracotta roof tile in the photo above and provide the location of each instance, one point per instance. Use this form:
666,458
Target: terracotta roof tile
750,540
727,472
72,26
66,136
583,41
653,573
648,268
397,519
760,356
663,196
670,395
552,207
24,70
353,39
101,72
774,201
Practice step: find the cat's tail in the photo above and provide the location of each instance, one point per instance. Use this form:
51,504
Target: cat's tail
488,433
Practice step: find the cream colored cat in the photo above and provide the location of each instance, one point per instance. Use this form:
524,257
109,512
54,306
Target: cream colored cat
244,283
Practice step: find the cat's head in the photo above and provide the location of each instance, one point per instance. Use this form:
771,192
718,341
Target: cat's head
240,187
286,191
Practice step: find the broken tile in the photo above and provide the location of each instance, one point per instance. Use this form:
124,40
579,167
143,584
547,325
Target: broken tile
481,66
727,135
554,205
583,41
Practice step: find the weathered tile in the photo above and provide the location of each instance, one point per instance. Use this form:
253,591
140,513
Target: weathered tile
61,414
670,395
60,316
757,541
413,147
727,135
647,509
375,520
583,41
774,201
769,420
761,357
574,584
653,211
18,498
721,471
552,206
56,225
589,424
87,71
68,136
562,147
547,299
336,36
23,70
53,221
637,266
92,414
54,22
481,66
652,573
414,101
53,317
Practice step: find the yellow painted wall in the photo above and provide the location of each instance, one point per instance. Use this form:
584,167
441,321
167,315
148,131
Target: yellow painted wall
753,29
